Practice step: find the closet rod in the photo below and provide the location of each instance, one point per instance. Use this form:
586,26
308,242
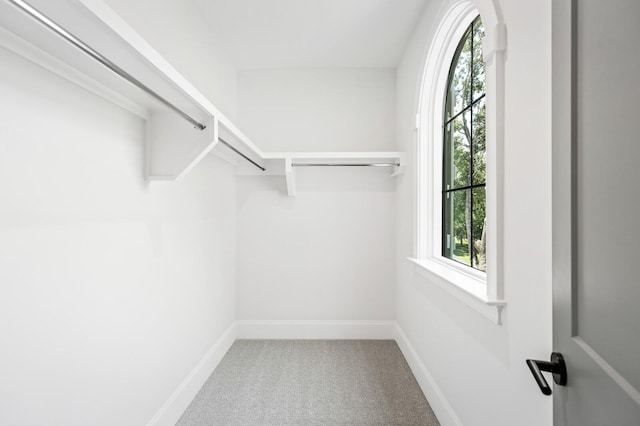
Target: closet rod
39,17
241,154
346,164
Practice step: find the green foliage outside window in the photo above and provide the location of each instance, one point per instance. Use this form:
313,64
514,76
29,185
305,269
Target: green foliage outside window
464,159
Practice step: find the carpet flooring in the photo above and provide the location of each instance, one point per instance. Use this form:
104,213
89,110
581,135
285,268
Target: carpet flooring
310,382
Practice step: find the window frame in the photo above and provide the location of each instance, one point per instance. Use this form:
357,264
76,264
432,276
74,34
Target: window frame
482,291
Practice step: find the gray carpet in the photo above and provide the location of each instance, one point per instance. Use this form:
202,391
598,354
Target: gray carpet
311,382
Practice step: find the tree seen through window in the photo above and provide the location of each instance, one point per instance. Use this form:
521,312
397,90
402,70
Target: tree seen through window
464,154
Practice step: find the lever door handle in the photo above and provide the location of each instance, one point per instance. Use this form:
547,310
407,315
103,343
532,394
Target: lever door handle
557,367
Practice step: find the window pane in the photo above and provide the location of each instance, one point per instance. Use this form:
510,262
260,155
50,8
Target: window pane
479,145
459,90
457,220
478,62
464,154
457,152
479,229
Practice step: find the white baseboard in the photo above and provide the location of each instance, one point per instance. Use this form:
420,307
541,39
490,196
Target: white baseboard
373,330
439,403
180,399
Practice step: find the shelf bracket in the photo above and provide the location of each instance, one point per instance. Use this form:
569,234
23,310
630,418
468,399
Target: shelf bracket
397,171
290,175
174,146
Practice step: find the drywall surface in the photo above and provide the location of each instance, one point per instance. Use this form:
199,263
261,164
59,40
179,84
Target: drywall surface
318,110
178,31
328,253
478,366
112,289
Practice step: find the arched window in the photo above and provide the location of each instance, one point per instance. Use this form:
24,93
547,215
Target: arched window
464,164
459,156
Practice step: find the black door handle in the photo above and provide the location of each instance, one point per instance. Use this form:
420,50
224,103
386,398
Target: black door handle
557,367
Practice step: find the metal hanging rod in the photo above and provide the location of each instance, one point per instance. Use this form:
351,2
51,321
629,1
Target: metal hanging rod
79,44
241,154
66,35
345,164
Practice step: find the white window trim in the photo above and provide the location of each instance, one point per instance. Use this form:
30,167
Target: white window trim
482,292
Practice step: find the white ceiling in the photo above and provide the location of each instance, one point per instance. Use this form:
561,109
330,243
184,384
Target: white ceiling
312,33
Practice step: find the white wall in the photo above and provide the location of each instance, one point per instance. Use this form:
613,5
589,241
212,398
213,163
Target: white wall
178,31
112,289
478,366
328,253
318,110
325,255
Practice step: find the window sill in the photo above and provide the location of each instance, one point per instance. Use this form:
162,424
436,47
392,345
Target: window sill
466,288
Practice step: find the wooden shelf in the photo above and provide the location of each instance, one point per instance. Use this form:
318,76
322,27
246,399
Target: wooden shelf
284,163
174,146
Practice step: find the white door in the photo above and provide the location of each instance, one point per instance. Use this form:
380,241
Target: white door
596,210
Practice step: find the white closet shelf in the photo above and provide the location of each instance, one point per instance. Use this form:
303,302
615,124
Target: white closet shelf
175,142
286,163
275,162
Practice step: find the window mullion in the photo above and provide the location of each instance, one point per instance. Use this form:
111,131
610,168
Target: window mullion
458,204
460,188
470,242
465,109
